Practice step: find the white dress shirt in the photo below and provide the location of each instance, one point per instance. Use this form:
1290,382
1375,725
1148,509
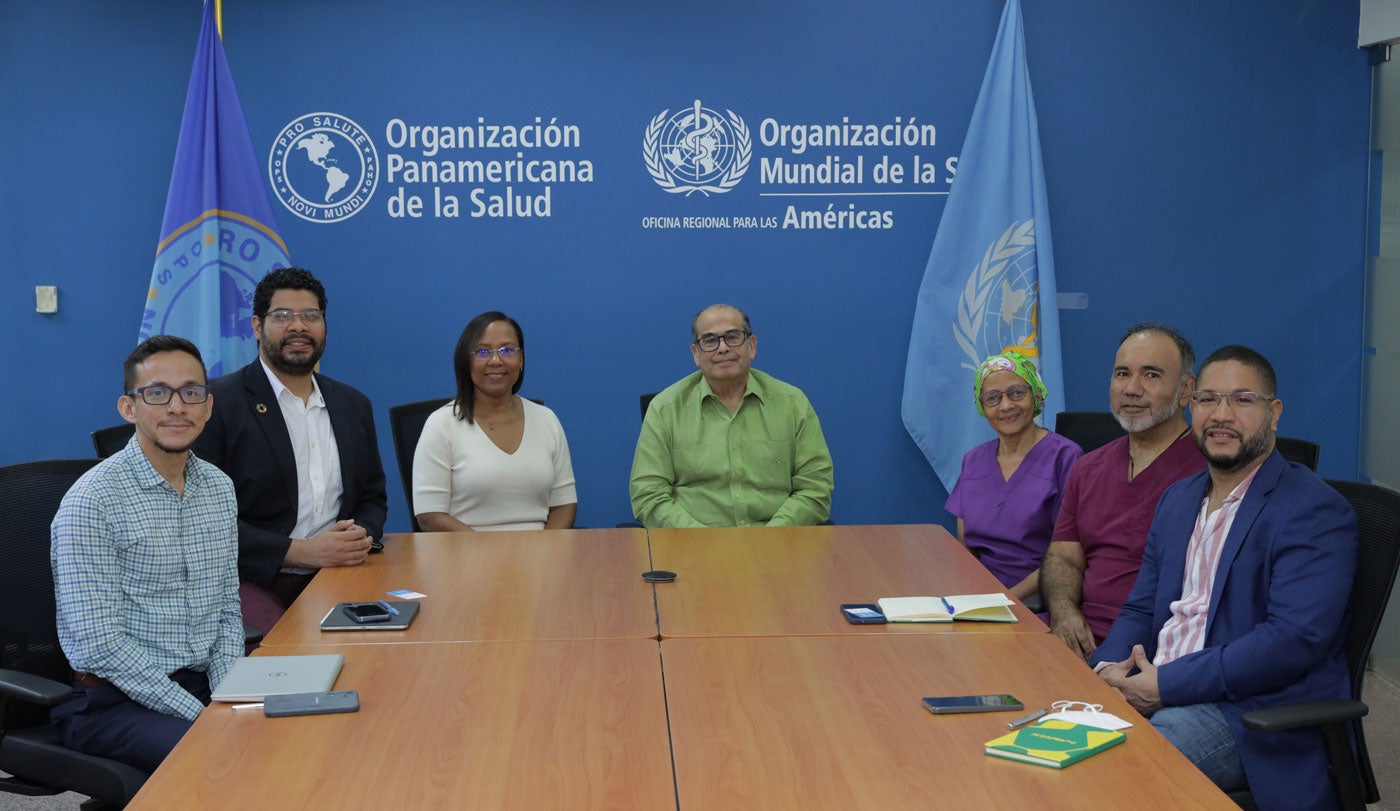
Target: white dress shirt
319,486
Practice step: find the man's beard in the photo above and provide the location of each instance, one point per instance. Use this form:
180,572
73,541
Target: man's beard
1251,447
280,362
1151,419
167,447
174,448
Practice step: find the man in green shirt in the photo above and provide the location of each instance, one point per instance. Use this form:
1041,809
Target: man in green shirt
728,445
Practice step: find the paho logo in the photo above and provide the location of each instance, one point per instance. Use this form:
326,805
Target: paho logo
697,150
323,167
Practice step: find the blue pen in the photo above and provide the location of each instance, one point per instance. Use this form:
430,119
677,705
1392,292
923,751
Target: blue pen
388,608
948,606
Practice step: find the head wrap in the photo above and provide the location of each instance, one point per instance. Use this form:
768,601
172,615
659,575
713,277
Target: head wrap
1017,364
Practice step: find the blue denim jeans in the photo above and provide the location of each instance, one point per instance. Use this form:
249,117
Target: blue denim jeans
1200,732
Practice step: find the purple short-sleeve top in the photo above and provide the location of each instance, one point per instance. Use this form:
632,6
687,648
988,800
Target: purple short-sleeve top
1007,523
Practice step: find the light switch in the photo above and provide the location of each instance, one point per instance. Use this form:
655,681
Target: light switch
45,299
1073,301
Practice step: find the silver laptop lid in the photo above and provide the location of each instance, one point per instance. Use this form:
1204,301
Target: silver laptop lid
253,678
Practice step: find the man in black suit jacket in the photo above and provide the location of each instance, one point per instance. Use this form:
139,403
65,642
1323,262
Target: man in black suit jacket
301,451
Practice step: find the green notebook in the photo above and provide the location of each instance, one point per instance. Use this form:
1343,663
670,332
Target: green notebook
1056,744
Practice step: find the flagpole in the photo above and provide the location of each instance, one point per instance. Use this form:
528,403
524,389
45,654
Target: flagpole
219,17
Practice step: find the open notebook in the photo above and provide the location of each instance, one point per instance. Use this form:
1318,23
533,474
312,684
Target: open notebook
974,607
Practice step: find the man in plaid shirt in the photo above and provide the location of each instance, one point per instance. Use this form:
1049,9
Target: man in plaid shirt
145,564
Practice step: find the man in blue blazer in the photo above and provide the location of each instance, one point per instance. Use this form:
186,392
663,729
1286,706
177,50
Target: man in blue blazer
300,448
1242,599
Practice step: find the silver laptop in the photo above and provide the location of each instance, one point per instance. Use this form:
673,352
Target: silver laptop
253,678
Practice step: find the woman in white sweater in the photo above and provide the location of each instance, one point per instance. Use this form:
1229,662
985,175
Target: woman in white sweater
491,460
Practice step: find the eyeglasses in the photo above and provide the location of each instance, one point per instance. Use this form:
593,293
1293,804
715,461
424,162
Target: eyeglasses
709,342
505,353
283,317
160,395
1206,399
992,399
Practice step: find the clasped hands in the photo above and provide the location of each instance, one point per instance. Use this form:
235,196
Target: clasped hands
343,543
1138,689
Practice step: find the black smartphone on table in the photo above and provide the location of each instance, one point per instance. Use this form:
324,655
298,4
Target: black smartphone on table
947,705
862,614
366,612
311,703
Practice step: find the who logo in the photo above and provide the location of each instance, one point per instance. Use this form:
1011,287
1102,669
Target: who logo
999,309
697,149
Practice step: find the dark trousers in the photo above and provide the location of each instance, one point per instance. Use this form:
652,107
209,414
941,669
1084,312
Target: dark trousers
104,721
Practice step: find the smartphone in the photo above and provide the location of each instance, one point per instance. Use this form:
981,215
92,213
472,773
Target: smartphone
311,703
945,705
366,612
862,614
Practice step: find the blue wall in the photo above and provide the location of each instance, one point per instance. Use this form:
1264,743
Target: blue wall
1205,167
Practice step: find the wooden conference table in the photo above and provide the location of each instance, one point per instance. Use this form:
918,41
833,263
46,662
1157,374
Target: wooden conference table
542,672
835,723
586,584
491,587
785,581
529,725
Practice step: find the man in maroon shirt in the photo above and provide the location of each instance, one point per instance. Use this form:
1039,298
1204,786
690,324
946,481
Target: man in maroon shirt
1112,492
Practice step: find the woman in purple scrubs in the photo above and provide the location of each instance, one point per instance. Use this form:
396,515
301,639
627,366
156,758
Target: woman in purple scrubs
1009,490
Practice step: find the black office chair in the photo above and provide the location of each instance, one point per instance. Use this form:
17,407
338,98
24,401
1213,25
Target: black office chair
406,424
34,674
1090,430
1299,450
1339,722
107,441
646,403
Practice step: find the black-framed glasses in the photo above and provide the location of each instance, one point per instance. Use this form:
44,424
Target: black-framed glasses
1017,393
709,342
283,317
1206,399
505,353
160,395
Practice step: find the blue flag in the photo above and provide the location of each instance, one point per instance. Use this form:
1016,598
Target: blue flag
219,237
990,282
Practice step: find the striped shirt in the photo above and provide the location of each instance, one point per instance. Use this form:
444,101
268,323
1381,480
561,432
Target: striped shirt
146,580
1185,631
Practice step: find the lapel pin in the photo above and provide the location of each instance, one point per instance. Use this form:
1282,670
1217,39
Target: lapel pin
261,408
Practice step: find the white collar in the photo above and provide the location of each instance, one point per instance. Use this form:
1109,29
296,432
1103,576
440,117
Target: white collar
278,386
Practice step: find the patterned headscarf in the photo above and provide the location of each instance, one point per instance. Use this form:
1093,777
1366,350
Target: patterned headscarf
1017,364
